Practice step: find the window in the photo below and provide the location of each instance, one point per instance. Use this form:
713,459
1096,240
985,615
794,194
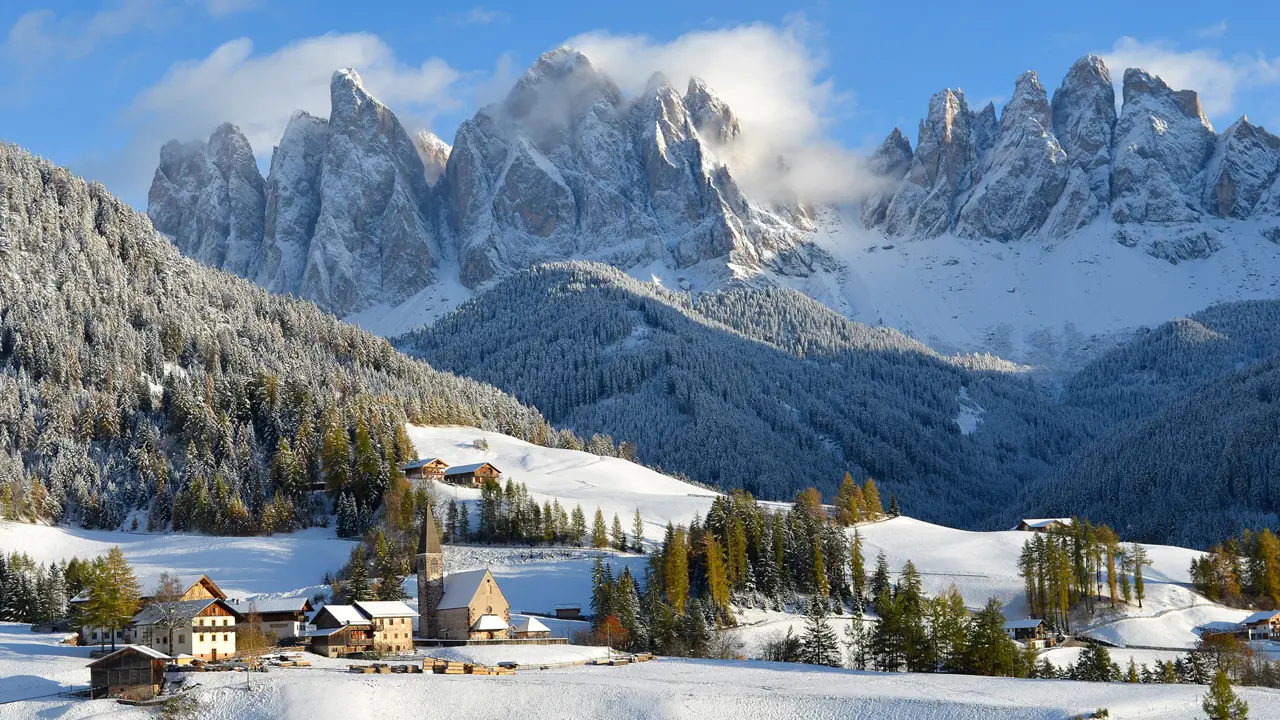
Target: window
224,637
200,637
182,638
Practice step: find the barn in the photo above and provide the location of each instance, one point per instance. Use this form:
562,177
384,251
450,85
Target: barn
427,468
134,672
474,474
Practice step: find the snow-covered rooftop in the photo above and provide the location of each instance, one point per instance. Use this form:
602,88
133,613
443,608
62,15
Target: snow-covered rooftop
1022,624
463,469
270,605
419,463
384,608
152,614
528,623
345,614
460,587
1260,616
488,623
1045,522
149,652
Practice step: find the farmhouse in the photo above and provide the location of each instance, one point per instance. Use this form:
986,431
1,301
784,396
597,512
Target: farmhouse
205,629
427,468
197,588
1030,631
392,624
1263,625
473,474
286,617
529,627
340,630
132,672
1043,524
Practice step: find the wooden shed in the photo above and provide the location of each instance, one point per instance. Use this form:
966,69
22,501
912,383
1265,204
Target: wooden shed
473,474
134,672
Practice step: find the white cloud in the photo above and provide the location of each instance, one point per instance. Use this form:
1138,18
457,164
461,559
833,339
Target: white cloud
1217,79
774,81
478,15
1215,30
39,35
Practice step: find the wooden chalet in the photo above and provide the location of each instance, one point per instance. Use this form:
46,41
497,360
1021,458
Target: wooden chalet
1263,625
473,608
208,631
474,474
392,624
1030,631
568,612
340,630
286,617
133,672
427,468
197,588
1042,524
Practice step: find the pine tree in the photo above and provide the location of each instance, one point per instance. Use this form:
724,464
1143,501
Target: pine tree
871,499
819,644
1138,560
717,583
599,532
858,571
577,526
464,522
1221,702
618,535
357,586
893,506
1094,664
676,570
637,534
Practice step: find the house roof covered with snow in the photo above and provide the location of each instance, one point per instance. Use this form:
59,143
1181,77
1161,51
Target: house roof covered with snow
1260,617
384,608
272,605
185,609
345,614
1022,624
147,585
527,623
143,649
423,462
464,469
1046,522
488,623
460,587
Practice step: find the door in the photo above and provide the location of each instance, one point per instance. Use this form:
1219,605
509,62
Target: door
215,655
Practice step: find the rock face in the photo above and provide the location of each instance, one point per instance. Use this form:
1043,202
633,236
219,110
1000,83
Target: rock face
1244,165
293,203
372,242
1026,174
209,197
566,167
1156,169
944,166
357,213
1162,143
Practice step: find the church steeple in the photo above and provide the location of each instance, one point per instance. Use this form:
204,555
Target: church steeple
430,577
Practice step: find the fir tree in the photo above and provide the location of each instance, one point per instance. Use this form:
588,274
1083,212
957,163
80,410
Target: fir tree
637,533
577,526
1221,702
357,587
599,532
819,644
618,535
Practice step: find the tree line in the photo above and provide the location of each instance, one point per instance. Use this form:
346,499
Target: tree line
1241,571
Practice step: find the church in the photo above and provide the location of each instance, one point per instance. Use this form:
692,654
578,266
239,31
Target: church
459,606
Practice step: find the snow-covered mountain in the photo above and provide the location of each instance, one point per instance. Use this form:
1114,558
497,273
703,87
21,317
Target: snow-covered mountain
1055,224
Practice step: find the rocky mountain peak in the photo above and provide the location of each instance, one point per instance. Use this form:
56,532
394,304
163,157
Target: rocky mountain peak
710,114
434,153
1084,119
560,87
1244,166
1030,102
890,162
944,166
1139,83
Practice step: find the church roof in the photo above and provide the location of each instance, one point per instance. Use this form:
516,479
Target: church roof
526,623
460,588
429,539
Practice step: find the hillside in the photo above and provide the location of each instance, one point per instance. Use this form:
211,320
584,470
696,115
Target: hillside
129,373
771,409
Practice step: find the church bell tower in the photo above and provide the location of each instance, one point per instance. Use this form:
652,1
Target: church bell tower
430,578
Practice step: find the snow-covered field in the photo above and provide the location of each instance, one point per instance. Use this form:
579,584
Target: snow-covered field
665,688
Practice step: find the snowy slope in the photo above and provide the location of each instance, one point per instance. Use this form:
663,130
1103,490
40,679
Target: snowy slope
666,688
985,564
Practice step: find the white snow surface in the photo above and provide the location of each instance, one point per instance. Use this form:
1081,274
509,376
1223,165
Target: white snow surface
666,688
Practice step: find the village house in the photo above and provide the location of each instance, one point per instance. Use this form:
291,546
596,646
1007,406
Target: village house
286,617
473,474
432,468
392,624
1043,524
197,588
207,632
1263,625
133,672
340,630
1030,631
528,627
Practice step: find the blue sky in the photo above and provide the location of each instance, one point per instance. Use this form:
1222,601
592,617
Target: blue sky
100,84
